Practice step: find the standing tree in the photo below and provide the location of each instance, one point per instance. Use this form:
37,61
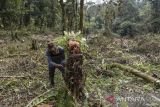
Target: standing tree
71,14
112,8
53,12
63,15
81,15
155,19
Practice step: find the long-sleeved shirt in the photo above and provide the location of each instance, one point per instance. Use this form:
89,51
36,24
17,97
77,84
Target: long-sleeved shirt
55,59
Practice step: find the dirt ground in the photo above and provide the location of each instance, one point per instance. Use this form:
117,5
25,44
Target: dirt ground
24,72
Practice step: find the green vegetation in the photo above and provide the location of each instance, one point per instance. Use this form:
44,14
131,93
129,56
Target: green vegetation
118,38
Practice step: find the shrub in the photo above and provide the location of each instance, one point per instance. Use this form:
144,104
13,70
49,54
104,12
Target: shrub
128,28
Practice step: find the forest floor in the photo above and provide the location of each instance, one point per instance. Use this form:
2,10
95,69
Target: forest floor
24,73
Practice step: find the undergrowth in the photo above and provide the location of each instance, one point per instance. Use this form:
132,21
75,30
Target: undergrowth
24,74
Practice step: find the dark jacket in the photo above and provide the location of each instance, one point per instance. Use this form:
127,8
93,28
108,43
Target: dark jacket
55,59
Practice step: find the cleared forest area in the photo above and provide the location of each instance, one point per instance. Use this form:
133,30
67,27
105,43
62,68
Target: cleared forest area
119,39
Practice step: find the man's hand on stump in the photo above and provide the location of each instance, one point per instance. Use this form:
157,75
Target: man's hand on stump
59,66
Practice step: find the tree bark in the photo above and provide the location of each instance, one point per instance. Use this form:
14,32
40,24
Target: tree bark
63,15
76,15
81,15
53,9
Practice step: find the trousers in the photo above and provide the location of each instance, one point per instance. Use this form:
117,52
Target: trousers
52,72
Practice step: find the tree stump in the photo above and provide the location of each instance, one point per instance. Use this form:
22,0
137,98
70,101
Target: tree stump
34,44
74,75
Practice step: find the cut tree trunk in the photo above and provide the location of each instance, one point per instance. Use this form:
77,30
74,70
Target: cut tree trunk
135,72
74,76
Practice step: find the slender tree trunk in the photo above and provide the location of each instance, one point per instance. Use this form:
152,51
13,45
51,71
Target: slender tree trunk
21,16
63,15
53,10
76,15
81,15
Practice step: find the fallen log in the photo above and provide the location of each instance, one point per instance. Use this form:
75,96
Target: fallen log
135,72
15,55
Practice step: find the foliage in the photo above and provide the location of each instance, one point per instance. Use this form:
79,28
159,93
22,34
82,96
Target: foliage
127,28
62,41
145,10
155,16
34,81
15,14
23,72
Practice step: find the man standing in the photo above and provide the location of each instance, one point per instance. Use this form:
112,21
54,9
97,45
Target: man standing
55,56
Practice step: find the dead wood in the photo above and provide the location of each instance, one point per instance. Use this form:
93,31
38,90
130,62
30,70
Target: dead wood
135,72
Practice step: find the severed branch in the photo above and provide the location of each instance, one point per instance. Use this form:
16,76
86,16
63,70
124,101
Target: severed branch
135,72
14,55
14,77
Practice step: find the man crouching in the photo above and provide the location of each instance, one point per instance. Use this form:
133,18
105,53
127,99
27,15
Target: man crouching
56,57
